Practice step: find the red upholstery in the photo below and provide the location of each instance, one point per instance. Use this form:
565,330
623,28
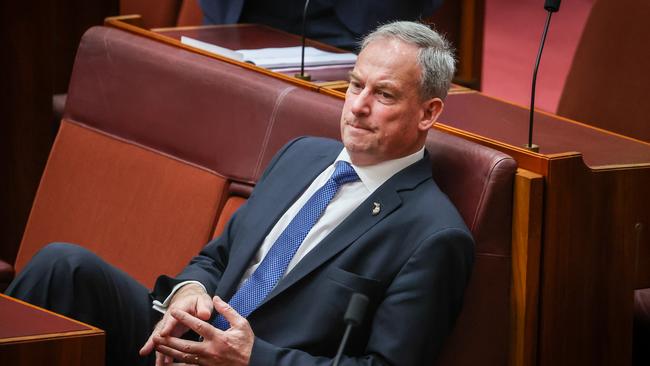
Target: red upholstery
138,209
479,181
157,142
232,204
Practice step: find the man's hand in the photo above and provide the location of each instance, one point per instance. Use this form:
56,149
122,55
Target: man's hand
230,347
190,299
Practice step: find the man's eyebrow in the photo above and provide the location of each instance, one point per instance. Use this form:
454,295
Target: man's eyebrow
387,85
353,75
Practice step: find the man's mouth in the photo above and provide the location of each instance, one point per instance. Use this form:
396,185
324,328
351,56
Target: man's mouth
357,125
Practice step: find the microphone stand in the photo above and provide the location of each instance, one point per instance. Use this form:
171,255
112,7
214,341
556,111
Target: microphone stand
344,341
302,74
353,317
551,6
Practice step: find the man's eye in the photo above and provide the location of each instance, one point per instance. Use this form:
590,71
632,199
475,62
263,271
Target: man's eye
385,95
354,86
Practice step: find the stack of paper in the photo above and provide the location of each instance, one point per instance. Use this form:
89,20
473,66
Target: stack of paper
277,58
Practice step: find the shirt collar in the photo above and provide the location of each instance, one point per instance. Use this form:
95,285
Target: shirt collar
373,176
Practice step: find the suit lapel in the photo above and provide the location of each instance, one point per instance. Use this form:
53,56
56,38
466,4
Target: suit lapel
359,222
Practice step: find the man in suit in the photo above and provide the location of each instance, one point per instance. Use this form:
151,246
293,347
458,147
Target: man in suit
340,23
326,220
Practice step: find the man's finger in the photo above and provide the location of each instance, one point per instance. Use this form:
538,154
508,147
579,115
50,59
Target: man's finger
163,360
230,314
179,344
168,324
185,357
147,347
199,326
204,307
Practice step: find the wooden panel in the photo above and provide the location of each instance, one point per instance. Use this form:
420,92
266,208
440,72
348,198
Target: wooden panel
526,246
52,339
462,23
25,131
39,40
68,351
588,258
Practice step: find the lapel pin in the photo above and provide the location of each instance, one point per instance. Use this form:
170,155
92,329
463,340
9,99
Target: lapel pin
376,208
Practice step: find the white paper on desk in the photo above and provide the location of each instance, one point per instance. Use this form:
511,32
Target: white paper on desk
273,58
212,48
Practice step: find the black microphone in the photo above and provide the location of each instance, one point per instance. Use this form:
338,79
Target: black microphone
551,6
302,74
353,317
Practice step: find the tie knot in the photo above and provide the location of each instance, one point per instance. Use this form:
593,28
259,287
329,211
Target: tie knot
344,173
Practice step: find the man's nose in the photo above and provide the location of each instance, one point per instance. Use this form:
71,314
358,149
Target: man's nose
361,103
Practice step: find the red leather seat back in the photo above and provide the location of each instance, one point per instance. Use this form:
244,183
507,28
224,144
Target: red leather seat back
479,181
140,210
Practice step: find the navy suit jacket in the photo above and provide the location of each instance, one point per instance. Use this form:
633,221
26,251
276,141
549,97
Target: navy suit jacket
349,21
412,260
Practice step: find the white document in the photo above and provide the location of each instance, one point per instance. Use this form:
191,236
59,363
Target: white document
275,58
205,46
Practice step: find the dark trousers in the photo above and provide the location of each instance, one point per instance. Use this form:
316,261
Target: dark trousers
73,281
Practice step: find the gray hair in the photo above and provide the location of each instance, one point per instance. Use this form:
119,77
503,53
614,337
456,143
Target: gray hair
436,55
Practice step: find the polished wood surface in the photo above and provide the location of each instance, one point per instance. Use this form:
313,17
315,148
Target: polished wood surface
34,336
527,219
508,123
242,36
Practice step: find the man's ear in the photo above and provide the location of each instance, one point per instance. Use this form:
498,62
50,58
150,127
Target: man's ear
431,109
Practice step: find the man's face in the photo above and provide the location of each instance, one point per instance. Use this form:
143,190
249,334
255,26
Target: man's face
384,116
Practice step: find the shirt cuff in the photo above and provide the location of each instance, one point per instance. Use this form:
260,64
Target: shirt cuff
162,306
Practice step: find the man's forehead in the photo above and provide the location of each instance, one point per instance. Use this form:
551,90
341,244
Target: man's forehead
387,42
389,61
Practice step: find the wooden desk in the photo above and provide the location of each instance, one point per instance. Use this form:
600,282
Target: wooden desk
252,36
33,336
248,36
580,240
595,247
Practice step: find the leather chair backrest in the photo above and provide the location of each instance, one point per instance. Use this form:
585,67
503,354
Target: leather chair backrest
479,181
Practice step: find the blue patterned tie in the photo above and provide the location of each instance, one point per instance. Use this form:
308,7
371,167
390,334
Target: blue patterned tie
251,294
